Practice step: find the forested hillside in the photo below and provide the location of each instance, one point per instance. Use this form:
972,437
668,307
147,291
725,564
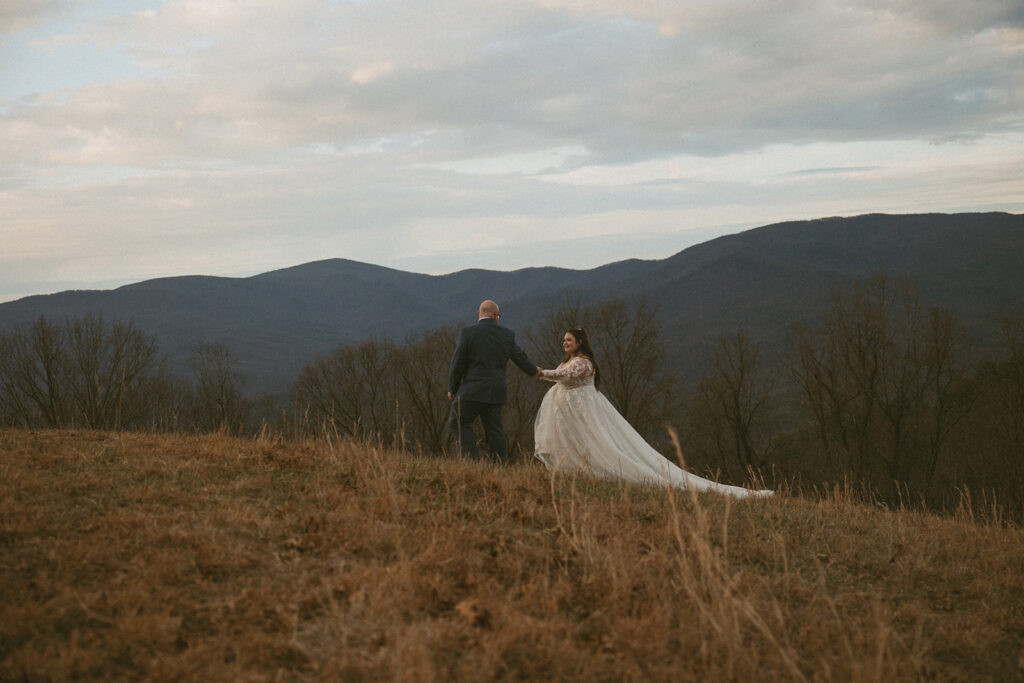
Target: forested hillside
759,281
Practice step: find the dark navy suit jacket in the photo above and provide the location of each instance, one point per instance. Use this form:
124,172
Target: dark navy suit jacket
478,366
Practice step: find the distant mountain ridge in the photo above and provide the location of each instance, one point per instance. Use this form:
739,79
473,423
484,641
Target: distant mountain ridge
760,280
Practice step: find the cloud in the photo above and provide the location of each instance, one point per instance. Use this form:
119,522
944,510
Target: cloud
270,133
511,78
25,14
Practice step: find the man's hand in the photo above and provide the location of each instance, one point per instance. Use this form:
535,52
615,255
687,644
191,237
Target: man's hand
451,397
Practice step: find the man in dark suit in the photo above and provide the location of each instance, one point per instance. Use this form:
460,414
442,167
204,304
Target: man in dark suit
476,381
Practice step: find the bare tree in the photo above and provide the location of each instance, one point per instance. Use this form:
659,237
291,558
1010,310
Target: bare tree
544,340
324,394
837,367
219,402
165,401
84,373
107,364
995,435
16,406
878,376
377,365
732,414
34,367
949,398
353,390
422,365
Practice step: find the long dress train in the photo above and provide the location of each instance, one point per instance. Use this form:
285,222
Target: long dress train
578,429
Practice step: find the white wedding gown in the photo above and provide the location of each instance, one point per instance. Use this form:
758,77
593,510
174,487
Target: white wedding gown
578,429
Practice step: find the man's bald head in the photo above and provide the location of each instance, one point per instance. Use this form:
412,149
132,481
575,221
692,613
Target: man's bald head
488,309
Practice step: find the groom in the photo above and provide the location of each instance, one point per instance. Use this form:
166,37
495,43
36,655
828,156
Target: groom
476,381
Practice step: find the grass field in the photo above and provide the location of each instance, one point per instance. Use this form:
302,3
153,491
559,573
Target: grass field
159,557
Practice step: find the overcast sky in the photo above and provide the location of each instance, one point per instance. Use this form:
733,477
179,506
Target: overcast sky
143,139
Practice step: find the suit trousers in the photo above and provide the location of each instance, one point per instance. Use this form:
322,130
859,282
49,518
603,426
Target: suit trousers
460,421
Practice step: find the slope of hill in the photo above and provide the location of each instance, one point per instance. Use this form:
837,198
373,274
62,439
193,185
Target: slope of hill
760,280
204,557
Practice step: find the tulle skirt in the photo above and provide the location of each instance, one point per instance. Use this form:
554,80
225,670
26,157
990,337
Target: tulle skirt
578,429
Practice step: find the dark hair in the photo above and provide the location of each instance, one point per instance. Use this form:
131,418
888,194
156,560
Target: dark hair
583,339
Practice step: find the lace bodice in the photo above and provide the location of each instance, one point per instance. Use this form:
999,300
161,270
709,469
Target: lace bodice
575,372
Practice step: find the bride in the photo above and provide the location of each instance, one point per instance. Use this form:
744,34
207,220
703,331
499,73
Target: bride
577,428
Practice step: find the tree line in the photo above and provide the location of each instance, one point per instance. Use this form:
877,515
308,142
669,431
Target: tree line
94,374
883,393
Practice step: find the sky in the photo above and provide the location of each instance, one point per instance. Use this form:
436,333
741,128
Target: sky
148,138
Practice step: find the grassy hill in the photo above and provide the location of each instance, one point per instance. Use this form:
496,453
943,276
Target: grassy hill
145,556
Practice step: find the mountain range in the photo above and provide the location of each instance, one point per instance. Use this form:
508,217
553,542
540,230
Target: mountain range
760,280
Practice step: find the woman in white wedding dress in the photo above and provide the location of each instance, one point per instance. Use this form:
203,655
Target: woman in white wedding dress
578,429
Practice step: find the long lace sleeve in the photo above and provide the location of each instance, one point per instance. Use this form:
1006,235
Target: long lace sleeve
577,371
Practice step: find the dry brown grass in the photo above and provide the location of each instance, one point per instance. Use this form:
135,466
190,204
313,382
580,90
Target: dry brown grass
212,558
